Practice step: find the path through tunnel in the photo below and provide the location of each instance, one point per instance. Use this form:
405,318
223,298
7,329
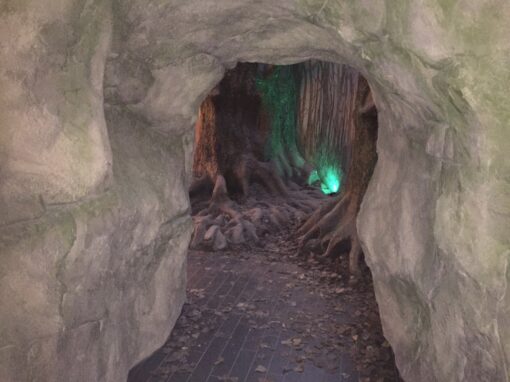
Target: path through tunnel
278,289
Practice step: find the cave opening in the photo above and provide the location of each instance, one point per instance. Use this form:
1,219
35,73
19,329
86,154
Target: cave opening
268,131
283,155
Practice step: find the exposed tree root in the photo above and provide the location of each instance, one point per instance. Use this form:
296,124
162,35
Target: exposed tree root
333,226
270,207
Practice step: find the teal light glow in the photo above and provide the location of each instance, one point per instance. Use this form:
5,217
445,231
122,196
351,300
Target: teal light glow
313,178
330,178
279,95
330,181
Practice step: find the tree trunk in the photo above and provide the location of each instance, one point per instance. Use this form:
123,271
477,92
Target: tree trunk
351,141
231,135
241,133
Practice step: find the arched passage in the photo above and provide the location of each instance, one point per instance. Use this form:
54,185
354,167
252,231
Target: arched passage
252,279
95,215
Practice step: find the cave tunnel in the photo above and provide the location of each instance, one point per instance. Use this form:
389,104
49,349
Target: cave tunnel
99,103
280,152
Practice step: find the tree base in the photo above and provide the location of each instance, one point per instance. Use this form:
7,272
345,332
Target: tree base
221,222
333,227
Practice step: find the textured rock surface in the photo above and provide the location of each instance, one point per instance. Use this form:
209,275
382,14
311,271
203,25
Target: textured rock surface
93,210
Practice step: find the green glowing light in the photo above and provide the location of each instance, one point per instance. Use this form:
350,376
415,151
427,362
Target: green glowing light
331,181
330,178
313,178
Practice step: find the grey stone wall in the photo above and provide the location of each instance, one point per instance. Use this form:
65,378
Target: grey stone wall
97,105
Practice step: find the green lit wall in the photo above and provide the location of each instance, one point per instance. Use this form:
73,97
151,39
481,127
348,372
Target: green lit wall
280,92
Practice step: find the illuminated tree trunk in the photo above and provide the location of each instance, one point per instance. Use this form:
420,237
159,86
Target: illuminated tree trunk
246,133
278,88
231,135
347,137
327,109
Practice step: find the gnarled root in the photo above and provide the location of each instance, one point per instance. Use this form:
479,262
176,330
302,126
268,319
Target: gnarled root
221,221
334,224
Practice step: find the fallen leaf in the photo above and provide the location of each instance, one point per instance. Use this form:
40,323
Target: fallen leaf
218,361
261,369
296,341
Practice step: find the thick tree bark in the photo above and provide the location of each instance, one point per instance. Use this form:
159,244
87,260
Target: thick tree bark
327,104
231,134
335,223
243,131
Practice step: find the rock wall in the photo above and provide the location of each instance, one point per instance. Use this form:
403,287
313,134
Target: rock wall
97,104
94,210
